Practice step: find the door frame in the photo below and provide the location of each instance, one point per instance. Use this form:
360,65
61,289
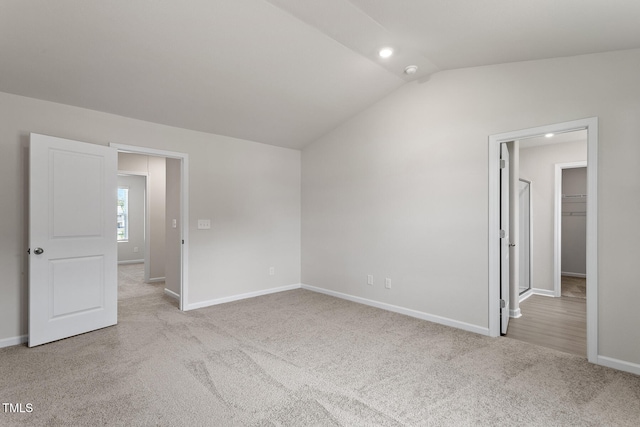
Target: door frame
557,223
591,125
184,208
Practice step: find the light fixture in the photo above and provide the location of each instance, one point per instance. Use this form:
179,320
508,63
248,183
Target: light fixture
549,135
410,69
385,52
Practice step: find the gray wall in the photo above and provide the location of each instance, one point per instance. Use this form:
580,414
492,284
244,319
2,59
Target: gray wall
574,224
127,249
401,189
537,164
250,191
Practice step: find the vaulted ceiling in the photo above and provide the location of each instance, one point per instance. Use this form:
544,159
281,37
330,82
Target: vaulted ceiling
281,72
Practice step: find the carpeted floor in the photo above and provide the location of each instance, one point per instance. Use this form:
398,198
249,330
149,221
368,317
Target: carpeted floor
299,358
131,283
575,287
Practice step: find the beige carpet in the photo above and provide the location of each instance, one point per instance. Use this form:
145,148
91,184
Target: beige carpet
299,358
575,287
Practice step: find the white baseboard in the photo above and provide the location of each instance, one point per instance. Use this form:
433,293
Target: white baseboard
406,311
515,313
8,342
131,261
223,300
620,365
566,273
544,292
170,293
155,279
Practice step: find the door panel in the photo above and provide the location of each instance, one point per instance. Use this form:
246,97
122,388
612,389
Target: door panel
72,236
69,299
504,239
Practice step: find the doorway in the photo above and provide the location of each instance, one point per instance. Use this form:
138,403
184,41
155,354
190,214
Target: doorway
495,142
540,314
570,227
172,227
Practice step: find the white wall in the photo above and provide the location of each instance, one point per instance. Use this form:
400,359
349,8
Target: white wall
250,191
133,248
401,189
537,164
574,225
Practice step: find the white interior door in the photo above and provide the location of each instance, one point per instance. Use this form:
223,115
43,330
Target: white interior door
504,239
72,238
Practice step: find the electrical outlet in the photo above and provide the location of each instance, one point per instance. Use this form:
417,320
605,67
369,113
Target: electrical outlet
135,249
369,279
272,271
204,224
387,283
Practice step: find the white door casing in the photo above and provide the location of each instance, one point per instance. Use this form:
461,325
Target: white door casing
504,239
72,238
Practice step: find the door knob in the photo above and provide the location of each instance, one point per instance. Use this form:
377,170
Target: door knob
38,251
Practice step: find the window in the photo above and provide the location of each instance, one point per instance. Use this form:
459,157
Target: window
123,214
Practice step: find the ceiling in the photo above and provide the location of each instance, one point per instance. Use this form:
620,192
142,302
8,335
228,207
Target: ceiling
281,72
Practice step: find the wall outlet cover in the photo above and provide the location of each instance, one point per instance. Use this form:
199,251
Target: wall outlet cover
204,224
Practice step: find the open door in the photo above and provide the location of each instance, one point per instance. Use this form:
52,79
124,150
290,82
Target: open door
72,238
504,238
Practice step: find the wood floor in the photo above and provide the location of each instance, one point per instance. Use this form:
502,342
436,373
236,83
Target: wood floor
558,323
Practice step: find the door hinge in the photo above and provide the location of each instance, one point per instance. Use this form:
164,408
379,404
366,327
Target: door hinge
503,234
503,164
503,303
29,251
183,241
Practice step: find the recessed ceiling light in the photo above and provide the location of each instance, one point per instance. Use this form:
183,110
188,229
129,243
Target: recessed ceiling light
549,135
385,52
